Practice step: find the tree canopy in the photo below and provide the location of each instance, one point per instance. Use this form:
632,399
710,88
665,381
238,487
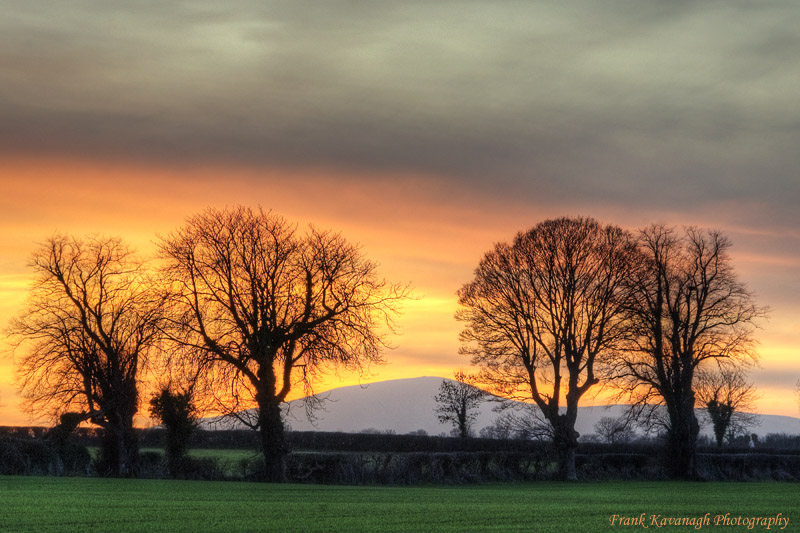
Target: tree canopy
687,307
457,402
261,308
541,311
88,329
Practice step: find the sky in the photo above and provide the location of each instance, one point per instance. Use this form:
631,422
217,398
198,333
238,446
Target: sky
425,131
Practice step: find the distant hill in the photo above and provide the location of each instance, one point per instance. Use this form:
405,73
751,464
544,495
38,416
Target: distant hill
406,405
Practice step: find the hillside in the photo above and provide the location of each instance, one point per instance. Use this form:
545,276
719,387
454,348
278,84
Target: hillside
406,405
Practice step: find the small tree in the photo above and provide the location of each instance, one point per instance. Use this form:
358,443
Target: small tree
614,430
177,414
728,398
457,401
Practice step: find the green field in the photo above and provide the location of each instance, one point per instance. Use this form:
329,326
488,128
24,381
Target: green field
122,505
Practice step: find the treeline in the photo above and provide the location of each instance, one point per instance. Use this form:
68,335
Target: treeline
773,443
242,309
572,304
349,458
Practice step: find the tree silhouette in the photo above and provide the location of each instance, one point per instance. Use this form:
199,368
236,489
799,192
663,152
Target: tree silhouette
729,399
176,412
262,308
88,328
542,311
457,401
614,430
687,307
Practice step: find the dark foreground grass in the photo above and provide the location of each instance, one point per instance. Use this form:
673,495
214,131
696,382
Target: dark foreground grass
89,504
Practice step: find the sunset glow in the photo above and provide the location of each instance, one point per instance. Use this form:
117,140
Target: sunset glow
415,231
424,142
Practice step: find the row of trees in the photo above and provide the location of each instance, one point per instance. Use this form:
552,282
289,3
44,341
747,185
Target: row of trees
571,305
725,398
242,309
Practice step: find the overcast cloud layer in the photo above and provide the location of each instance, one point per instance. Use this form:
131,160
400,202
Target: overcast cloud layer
674,104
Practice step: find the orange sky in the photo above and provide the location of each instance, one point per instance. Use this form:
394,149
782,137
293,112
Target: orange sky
426,131
417,227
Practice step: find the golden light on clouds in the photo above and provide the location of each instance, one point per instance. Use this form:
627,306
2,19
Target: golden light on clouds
414,241
418,227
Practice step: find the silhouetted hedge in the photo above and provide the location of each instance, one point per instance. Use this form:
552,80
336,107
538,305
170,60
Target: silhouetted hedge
370,442
153,465
344,442
367,458
416,467
619,466
337,441
217,440
749,466
33,432
35,456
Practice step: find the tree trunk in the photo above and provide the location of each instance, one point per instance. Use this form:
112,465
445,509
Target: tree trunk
682,442
272,441
463,428
129,465
719,434
119,450
565,442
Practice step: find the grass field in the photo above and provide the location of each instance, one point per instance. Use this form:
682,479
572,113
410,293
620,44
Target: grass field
124,505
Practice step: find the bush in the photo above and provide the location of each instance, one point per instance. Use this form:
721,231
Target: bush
781,441
415,467
27,456
12,460
178,415
76,459
203,468
749,467
154,465
382,442
619,466
151,465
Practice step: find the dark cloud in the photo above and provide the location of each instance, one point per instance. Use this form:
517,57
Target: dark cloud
670,104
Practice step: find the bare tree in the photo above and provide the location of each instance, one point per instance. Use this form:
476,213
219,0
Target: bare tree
543,311
88,328
517,420
264,308
614,430
457,402
687,307
729,400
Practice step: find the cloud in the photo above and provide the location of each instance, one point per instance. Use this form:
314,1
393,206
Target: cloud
665,104
437,127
